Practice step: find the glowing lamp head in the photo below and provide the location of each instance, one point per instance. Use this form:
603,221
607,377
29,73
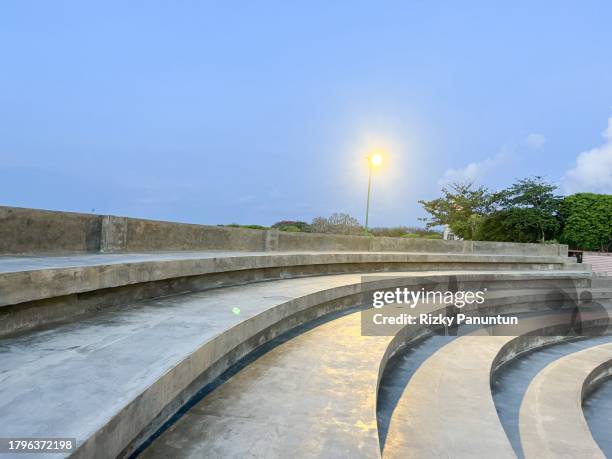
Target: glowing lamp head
376,159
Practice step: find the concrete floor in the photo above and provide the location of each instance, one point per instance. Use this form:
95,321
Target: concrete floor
312,396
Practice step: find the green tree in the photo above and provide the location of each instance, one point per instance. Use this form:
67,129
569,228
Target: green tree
508,225
531,208
461,207
587,221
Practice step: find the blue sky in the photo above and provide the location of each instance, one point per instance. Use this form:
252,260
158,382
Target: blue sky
253,112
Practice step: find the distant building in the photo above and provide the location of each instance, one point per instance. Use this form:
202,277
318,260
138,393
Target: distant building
449,235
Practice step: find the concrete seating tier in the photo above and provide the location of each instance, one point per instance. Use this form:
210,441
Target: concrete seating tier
132,368
551,421
315,394
447,408
36,291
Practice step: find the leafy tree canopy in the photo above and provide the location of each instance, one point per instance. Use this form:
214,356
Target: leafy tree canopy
535,206
587,221
525,212
461,207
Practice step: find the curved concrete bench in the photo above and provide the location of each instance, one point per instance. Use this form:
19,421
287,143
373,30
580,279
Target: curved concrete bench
39,291
130,369
447,408
552,422
46,277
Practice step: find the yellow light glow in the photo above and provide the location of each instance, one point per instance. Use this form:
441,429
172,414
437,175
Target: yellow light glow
376,159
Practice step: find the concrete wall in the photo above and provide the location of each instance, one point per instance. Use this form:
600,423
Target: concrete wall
29,231
309,241
312,241
41,231
150,235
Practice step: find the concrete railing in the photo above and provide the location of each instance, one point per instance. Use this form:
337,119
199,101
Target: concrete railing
30,231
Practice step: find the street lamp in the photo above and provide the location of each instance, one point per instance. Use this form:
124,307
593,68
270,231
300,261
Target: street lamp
374,160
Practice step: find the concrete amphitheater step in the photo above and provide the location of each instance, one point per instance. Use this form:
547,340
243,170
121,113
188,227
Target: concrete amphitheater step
132,368
447,408
35,291
314,394
63,275
323,381
552,423
125,367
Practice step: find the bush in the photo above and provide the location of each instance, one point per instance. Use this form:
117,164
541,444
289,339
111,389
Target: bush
336,224
236,225
290,229
411,235
400,231
433,236
301,226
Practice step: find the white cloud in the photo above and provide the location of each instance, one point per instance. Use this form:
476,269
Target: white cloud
475,171
535,141
593,170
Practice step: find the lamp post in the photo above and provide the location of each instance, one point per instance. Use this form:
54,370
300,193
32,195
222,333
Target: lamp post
374,160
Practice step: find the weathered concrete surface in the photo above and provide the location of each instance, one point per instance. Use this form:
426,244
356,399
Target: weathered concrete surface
126,366
552,423
44,290
27,231
447,408
41,231
316,392
151,235
30,278
9,264
597,410
510,383
129,369
113,238
312,396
